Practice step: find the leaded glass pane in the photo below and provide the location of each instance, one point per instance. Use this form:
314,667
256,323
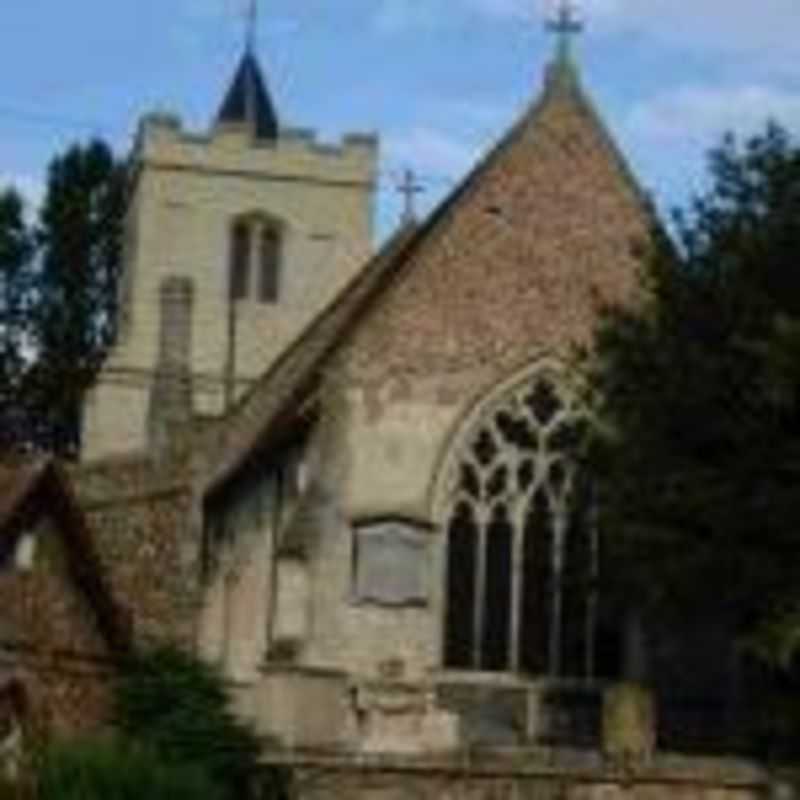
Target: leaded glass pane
461,578
497,599
536,596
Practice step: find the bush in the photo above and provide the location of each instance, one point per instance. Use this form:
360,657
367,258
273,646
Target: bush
179,706
97,769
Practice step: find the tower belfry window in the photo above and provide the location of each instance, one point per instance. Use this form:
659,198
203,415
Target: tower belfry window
255,259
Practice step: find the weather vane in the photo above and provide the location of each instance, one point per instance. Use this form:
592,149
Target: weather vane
564,26
252,25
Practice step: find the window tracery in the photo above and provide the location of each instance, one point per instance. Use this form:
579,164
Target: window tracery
523,549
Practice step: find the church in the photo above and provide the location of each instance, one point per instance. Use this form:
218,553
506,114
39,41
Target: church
352,478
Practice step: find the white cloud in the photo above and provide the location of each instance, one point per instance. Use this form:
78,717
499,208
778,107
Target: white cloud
767,29
430,151
476,115
694,115
762,26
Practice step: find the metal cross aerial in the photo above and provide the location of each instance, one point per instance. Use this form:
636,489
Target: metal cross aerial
409,187
565,25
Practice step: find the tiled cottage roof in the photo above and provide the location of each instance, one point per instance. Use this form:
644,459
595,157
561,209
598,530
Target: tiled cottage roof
36,487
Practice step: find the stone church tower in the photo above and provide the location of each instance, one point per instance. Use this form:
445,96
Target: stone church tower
235,241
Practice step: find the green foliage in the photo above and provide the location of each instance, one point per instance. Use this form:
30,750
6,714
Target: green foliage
175,739
98,769
701,386
10,791
16,251
58,295
80,240
179,705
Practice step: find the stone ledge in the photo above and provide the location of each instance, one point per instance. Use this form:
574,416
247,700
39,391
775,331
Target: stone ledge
576,766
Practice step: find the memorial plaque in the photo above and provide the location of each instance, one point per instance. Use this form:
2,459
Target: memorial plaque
390,562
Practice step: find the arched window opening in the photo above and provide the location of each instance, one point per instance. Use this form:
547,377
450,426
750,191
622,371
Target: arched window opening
240,260
255,259
270,264
523,545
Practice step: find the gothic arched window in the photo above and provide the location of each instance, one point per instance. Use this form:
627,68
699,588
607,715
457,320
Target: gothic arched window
255,258
523,548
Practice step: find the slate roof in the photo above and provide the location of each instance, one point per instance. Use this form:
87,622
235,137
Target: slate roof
248,101
260,414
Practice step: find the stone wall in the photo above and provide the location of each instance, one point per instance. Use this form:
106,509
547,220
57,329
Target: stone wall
142,517
529,775
50,641
510,276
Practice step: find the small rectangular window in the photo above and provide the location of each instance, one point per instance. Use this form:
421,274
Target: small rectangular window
25,554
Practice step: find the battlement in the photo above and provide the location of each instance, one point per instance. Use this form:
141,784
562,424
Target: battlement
307,138
162,140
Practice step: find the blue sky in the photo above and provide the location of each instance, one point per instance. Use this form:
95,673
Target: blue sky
439,80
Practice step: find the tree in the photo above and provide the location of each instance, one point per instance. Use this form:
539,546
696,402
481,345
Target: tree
80,244
58,295
16,254
700,388
174,737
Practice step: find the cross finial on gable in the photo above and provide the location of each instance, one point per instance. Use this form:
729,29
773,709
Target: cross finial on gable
409,187
565,25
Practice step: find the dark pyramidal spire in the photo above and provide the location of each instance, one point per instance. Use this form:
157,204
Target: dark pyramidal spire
247,101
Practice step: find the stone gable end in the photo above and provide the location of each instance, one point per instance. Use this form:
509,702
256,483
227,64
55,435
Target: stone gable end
521,260
50,631
514,267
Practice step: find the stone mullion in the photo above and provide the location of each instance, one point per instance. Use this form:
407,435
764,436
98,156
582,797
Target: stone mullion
517,513
482,516
555,640
254,260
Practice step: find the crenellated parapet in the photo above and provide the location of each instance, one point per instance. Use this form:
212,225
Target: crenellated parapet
230,148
